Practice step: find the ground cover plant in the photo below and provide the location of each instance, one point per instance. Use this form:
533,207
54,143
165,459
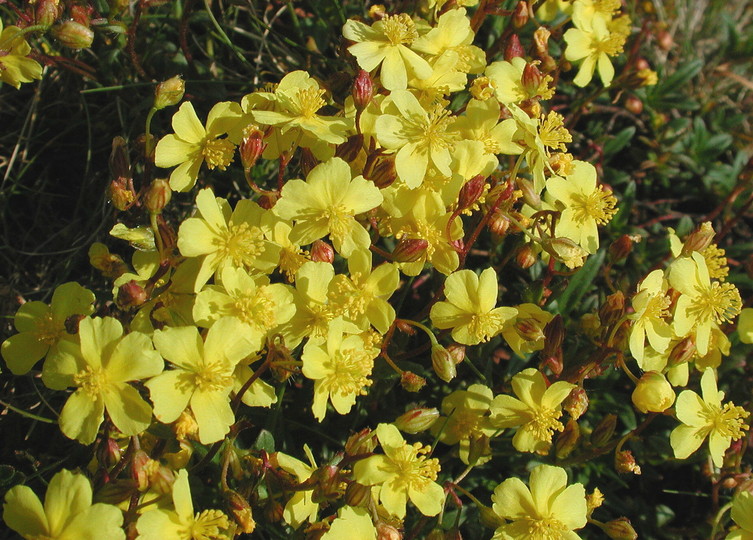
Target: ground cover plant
436,269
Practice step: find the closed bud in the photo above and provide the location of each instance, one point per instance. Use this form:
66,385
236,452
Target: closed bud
162,480
436,534
457,351
73,35
142,468
157,196
121,193
526,256
360,443
478,447
530,195
363,89
621,248
240,510
499,224
489,518
554,335
683,352
620,529
329,484
81,13
576,404
273,511
357,495
613,309
385,531
108,453
349,150
514,48
520,15
634,105
410,250
471,191
443,363
653,393
47,12
567,440
604,431
169,92
531,79
665,40
380,169
321,251
411,382
699,239
307,161
624,462
565,250
131,294
416,420
252,147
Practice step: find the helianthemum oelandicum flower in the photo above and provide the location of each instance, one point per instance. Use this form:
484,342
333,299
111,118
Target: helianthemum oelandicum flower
327,203
419,137
41,327
706,417
67,514
100,367
222,239
703,304
651,305
593,44
182,523
404,473
351,522
387,43
584,204
340,366
192,144
203,375
546,509
535,412
300,507
469,309
15,65
742,514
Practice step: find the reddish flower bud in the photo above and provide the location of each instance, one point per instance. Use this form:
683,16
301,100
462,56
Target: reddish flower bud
499,224
363,89
380,169
121,193
157,196
699,239
567,440
514,48
47,12
416,420
81,14
613,309
131,294
634,105
362,442
471,191
321,251
457,351
531,79
576,403
252,147
530,195
520,15
683,352
620,529
357,495
240,510
443,363
621,248
349,150
526,256
410,250
108,453
604,430
411,382
624,462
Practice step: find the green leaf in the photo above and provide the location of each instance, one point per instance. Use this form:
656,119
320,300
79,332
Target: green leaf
618,142
265,441
580,283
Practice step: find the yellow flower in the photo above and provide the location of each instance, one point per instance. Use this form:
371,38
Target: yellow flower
387,43
41,328
535,412
651,308
508,80
182,523
67,514
526,333
351,522
301,506
419,137
312,313
466,415
101,367
703,304
469,309
192,144
706,417
327,203
745,325
203,375
15,65
585,205
546,509
297,99
222,239
404,473
339,366
593,45
742,514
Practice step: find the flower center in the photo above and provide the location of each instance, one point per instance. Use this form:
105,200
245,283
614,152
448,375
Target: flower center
207,525
91,381
350,371
716,262
413,468
399,29
214,377
243,244
599,206
338,221
48,330
218,153
256,309
546,529
553,132
719,302
610,45
657,307
308,101
484,326
544,423
463,423
727,420
350,295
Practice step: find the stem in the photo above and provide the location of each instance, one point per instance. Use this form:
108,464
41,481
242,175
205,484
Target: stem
157,235
422,327
27,414
147,134
392,364
718,518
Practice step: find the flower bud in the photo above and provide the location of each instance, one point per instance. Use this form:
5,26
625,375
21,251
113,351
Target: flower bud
73,35
621,248
131,294
157,196
489,518
273,511
349,150
567,440
699,239
514,48
576,404
362,442
411,382
108,453
380,169
520,14
566,251
240,510
47,12
329,484
634,105
499,223
613,309
604,431
620,529
457,351
554,335
307,161
410,250
530,196
252,147
653,393
526,256
357,494
385,531
169,92
363,89
436,534
121,193
531,79
683,352
443,363
665,40
321,251
416,420
471,191
142,468
624,462
478,448
541,40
